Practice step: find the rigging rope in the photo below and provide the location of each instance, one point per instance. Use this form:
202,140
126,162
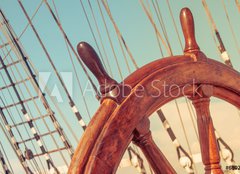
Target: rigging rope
231,28
9,112
24,111
170,54
29,119
158,40
74,67
100,37
221,46
94,37
14,143
185,160
71,46
25,28
8,126
119,33
71,102
110,40
161,22
155,27
119,36
31,67
38,90
3,162
174,23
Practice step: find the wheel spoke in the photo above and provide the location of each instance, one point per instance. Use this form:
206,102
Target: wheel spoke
208,142
143,139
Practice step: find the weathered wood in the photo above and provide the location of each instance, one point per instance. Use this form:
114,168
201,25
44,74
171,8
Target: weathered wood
143,139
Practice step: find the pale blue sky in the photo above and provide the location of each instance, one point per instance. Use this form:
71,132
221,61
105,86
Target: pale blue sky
134,26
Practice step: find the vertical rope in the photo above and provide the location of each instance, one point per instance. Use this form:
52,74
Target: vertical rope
161,22
119,37
158,40
174,23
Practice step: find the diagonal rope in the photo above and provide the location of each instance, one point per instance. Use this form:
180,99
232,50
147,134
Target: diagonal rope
25,28
231,28
119,36
71,46
93,35
71,102
174,23
161,21
110,40
155,27
119,33
74,67
56,124
100,37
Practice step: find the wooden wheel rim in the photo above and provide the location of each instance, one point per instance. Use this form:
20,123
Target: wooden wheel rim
102,145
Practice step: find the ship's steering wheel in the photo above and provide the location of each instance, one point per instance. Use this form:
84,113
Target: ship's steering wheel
123,114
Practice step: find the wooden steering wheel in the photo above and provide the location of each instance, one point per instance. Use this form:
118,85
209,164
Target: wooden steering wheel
123,114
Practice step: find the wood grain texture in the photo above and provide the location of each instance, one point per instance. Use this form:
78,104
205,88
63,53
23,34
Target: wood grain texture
114,135
116,124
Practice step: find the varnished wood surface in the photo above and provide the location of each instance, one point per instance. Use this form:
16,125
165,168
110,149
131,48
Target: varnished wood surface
114,135
143,139
115,124
187,23
90,135
94,64
208,142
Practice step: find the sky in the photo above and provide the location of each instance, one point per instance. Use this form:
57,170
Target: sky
141,40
